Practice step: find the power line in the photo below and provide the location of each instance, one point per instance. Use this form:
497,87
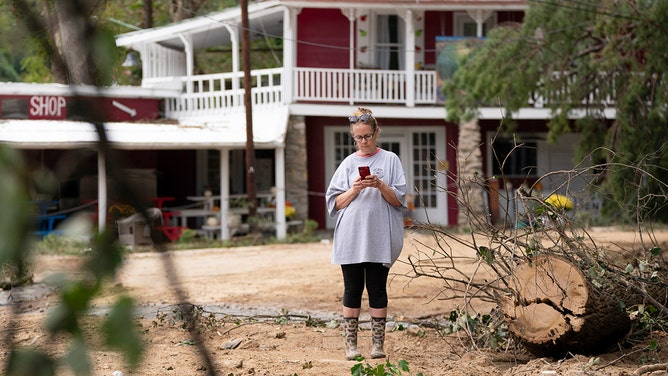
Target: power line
577,5
587,7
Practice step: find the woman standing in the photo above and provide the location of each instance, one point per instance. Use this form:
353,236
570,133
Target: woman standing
367,195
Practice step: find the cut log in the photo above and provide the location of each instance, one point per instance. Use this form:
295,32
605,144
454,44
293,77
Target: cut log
557,310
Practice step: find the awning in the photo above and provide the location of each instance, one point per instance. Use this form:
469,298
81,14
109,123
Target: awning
224,131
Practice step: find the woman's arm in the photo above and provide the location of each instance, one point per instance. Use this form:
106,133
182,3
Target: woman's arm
344,199
385,190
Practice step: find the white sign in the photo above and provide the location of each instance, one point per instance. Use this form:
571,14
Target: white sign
47,106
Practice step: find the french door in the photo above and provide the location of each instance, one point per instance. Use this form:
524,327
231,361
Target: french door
421,151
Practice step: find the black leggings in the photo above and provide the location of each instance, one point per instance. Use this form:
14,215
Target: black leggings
354,276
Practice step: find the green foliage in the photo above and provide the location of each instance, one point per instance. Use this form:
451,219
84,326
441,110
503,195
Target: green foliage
16,216
8,70
60,245
482,330
76,293
121,336
187,236
30,362
21,58
382,369
582,57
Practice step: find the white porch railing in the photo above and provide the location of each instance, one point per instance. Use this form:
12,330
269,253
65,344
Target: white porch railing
363,85
218,94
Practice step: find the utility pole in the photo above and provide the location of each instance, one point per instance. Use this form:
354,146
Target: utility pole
250,147
148,14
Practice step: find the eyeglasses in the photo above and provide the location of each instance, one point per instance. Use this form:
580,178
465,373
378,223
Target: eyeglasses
362,118
365,137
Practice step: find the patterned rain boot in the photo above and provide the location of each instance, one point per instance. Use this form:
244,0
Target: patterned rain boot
378,334
351,325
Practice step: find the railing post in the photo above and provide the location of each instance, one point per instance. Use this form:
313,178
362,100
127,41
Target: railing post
409,36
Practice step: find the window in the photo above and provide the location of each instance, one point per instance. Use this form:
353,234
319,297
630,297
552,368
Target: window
465,25
514,159
390,42
424,165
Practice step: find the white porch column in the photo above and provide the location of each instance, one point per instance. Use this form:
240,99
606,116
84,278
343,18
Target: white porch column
234,37
289,53
101,191
479,16
190,60
351,14
409,37
281,226
224,193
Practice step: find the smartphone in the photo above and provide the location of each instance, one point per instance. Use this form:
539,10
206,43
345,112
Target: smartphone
364,171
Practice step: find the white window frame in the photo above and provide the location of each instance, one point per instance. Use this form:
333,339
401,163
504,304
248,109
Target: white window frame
460,19
439,214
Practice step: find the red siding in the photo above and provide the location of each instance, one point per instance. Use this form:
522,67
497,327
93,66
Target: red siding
452,138
435,23
324,39
503,17
317,181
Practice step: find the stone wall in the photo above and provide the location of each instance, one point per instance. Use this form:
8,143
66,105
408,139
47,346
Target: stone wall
472,207
296,175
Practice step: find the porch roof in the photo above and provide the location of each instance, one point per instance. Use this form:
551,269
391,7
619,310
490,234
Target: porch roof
411,4
266,18
211,29
229,131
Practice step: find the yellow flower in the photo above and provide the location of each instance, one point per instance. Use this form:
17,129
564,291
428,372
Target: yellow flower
289,211
559,202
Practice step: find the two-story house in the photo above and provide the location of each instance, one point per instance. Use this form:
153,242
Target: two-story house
390,56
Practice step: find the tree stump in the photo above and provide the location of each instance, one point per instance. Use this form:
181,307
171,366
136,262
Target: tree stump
557,310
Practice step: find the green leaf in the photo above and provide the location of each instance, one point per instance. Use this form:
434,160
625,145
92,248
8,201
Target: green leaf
30,363
487,254
77,358
403,365
655,251
120,332
356,370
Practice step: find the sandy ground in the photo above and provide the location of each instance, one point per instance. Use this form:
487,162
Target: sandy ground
278,308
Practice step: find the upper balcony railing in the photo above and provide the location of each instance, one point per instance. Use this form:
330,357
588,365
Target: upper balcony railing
219,94
364,85
216,94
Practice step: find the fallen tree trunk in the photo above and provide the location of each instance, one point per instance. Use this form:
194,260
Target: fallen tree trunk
555,309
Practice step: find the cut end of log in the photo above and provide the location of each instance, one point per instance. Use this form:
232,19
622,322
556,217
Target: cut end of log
556,310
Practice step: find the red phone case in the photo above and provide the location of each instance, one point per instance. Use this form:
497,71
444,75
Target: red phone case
364,171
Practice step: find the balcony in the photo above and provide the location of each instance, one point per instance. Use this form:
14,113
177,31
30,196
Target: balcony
223,93
364,86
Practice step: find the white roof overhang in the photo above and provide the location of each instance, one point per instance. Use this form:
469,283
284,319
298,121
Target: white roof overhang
433,5
265,17
229,131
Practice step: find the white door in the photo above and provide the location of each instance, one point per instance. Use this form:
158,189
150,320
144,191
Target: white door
427,180
422,153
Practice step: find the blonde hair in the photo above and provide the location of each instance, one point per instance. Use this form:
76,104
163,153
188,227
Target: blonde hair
371,121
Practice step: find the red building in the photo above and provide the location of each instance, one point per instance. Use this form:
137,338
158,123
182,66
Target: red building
390,56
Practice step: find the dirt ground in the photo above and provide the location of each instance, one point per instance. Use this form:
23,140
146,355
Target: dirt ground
277,311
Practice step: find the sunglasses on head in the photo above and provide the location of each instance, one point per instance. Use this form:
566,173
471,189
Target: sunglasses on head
362,118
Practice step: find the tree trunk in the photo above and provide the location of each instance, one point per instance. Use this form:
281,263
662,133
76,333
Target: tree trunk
469,170
557,309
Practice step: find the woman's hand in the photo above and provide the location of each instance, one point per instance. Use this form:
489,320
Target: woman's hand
358,184
371,181
348,196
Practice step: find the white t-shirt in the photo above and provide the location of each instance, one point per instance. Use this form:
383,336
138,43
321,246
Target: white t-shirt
369,229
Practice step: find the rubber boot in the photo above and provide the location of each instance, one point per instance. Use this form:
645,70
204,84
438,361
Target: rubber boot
351,326
378,336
